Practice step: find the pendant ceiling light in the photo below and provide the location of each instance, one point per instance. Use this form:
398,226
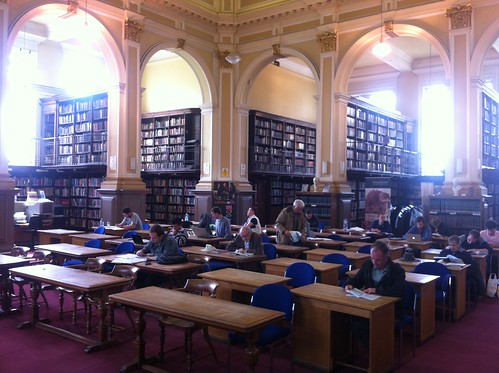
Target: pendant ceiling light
233,57
381,50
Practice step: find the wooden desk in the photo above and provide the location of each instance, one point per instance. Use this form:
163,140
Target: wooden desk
282,250
202,241
459,276
94,286
321,327
213,312
396,251
327,273
61,251
422,245
80,239
481,260
6,263
325,243
223,255
113,242
48,236
356,259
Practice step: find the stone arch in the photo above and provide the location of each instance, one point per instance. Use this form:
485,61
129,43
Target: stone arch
482,46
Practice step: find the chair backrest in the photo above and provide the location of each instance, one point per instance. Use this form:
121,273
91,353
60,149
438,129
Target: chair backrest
274,297
126,271
335,237
146,226
19,251
301,274
336,259
366,249
129,234
35,222
125,248
270,251
42,256
94,265
100,230
409,300
95,243
201,287
266,239
436,269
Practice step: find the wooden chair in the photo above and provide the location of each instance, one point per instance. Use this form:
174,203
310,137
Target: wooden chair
193,286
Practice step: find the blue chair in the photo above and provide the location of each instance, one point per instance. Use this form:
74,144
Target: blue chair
125,248
274,297
95,243
270,251
129,234
409,303
301,274
214,265
100,230
266,239
443,286
366,249
337,258
335,237
146,226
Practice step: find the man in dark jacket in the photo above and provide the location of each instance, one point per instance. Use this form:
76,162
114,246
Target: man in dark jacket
248,242
380,276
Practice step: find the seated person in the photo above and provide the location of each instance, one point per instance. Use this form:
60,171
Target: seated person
490,233
253,222
438,227
310,232
249,242
454,248
381,276
473,242
164,250
222,224
381,225
131,220
312,220
420,228
178,233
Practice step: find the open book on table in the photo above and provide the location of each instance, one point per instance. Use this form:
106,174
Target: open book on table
357,293
449,259
129,259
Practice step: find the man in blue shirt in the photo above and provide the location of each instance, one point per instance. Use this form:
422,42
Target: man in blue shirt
222,224
420,228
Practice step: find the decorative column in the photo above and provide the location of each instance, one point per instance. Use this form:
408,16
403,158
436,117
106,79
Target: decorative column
7,186
463,174
123,186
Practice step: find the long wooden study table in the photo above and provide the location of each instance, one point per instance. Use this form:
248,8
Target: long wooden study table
327,273
356,259
459,278
95,286
48,236
214,312
223,255
321,327
61,251
396,250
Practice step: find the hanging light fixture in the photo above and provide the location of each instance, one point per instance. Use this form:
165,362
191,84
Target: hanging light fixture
233,57
381,50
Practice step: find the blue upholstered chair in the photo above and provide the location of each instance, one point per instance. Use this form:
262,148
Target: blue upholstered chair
366,249
301,274
409,304
338,258
270,251
129,234
100,230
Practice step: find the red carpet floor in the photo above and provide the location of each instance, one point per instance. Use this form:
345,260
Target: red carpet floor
467,346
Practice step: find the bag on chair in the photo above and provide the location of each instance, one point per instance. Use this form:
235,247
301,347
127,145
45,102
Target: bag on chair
492,285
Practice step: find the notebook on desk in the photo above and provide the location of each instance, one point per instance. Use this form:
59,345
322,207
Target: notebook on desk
201,232
411,237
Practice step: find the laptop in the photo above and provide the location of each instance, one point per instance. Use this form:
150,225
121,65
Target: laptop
137,239
411,237
201,232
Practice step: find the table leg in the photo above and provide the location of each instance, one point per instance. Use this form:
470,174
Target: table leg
459,294
251,352
6,301
35,307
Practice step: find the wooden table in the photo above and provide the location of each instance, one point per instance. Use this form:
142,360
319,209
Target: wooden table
325,243
327,273
202,241
6,263
459,278
61,251
48,236
112,230
94,286
113,242
223,255
80,239
282,250
421,245
349,237
321,327
213,312
396,251
356,259
481,260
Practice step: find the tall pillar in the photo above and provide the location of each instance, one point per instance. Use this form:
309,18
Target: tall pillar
7,186
463,174
123,186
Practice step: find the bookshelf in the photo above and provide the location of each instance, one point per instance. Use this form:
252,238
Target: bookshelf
281,146
460,213
74,131
321,205
490,130
171,141
169,197
380,141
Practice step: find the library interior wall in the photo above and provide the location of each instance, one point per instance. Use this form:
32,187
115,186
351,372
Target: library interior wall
279,91
170,84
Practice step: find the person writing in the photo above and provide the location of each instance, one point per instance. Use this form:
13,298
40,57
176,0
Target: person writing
291,219
253,222
131,220
381,225
248,242
164,250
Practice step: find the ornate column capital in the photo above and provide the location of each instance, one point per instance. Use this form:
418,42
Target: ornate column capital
276,49
180,43
328,41
222,62
133,30
460,16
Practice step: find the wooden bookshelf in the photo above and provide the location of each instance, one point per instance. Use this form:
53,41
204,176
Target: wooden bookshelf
74,131
171,141
380,141
281,146
490,130
460,213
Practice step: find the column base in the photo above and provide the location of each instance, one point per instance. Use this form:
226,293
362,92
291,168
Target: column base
464,188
